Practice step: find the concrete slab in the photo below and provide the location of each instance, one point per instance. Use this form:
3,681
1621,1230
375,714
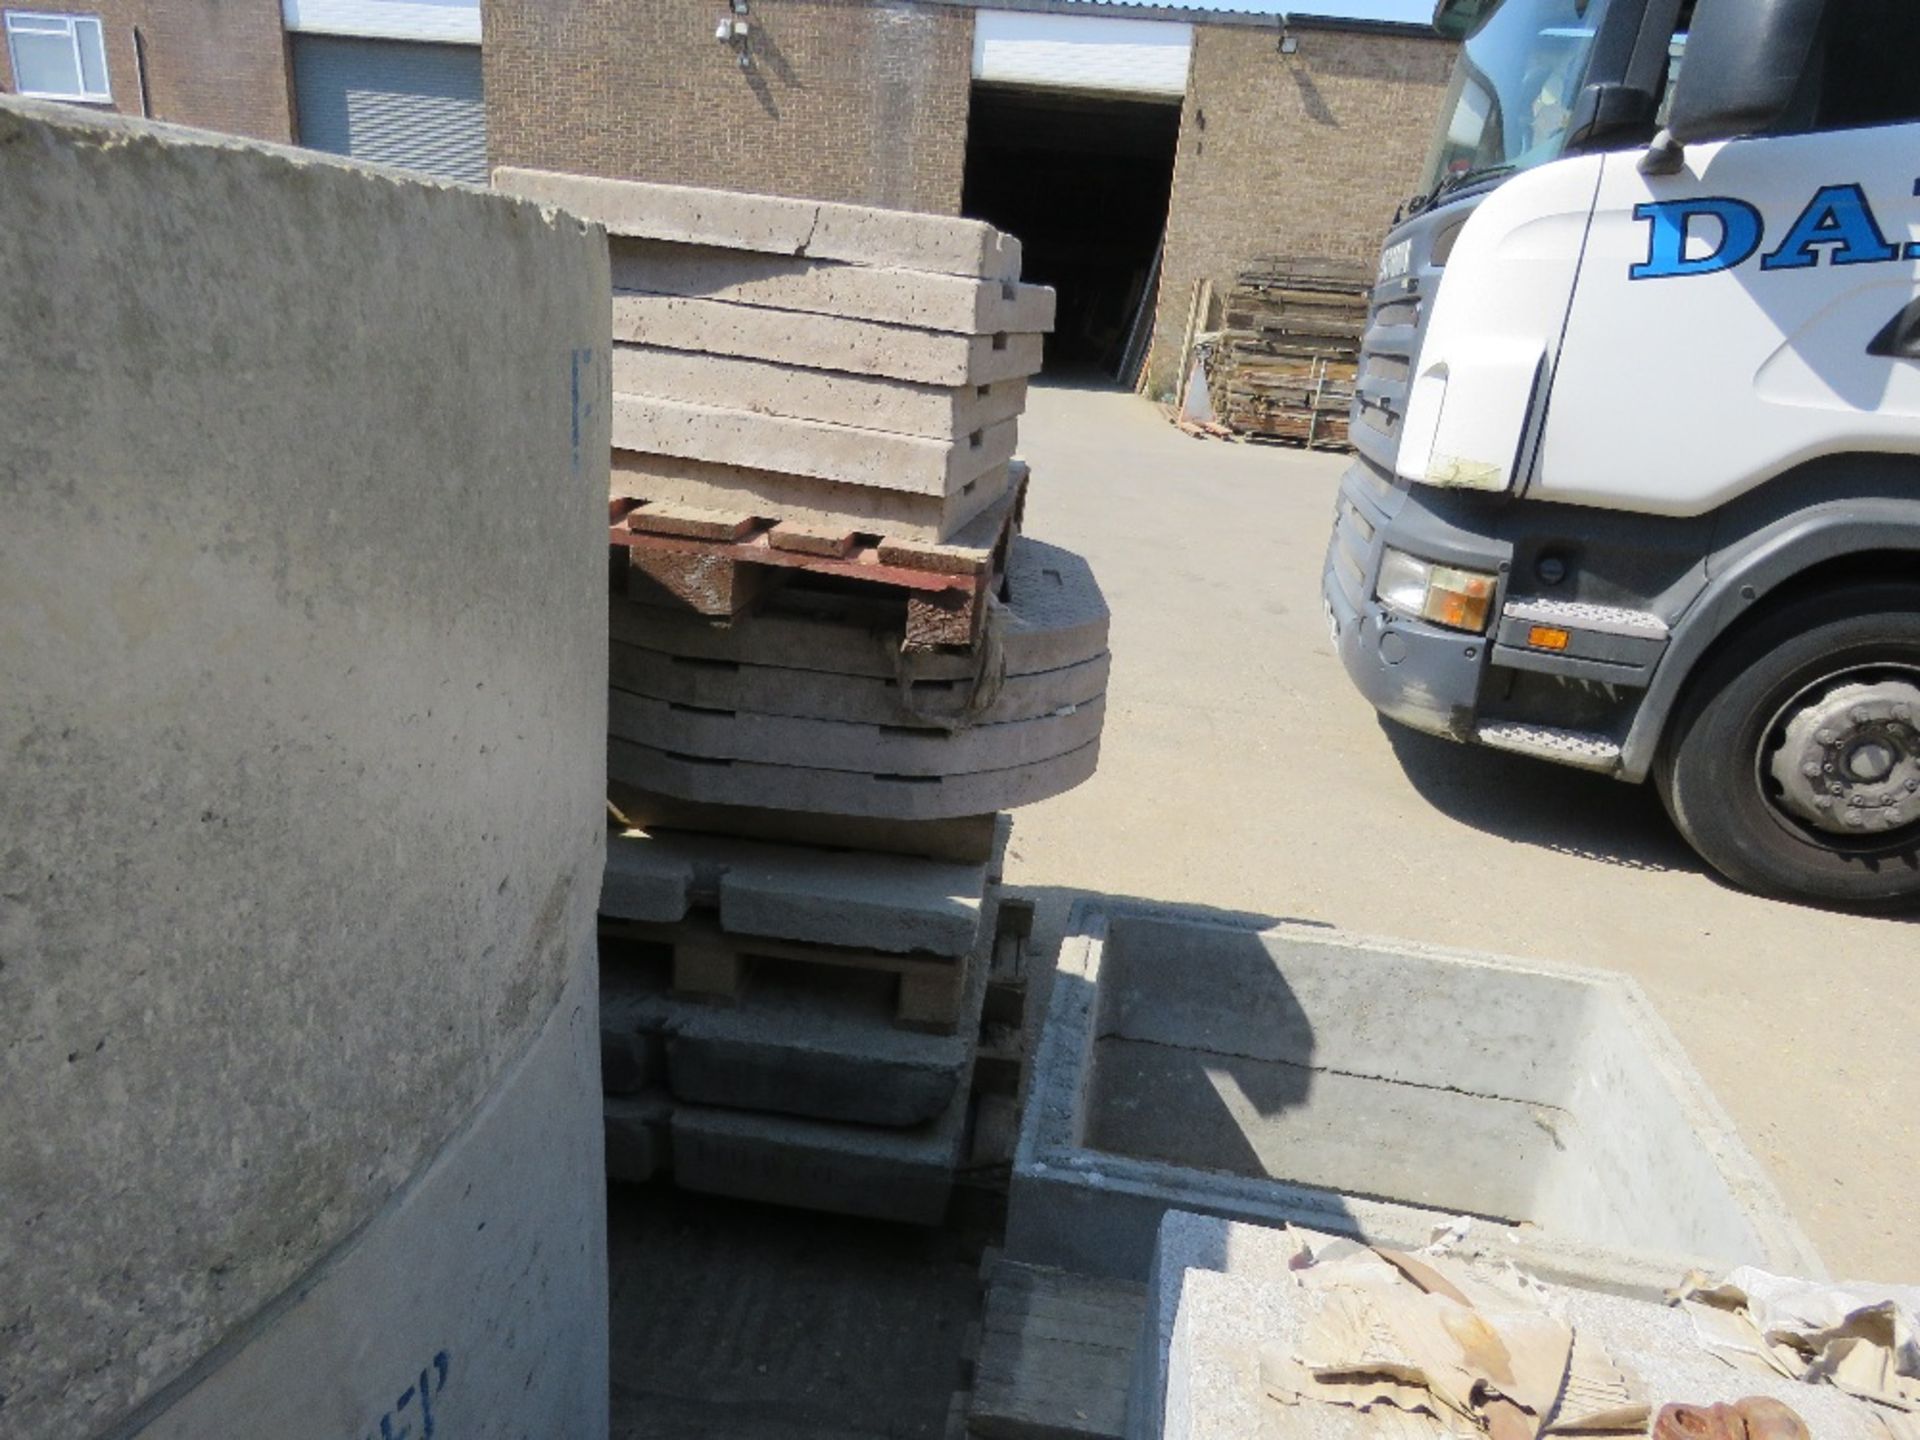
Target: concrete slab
824,342
815,448
1229,1295
932,705
846,792
797,892
871,402
816,1042
1287,1044
904,1175
920,298
1053,616
858,234
802,499
838,745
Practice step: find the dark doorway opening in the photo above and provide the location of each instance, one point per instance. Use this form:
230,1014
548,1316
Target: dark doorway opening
1083,180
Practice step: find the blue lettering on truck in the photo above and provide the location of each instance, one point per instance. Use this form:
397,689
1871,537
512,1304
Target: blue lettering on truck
1837,225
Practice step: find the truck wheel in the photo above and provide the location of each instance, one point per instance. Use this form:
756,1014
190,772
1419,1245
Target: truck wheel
1793,766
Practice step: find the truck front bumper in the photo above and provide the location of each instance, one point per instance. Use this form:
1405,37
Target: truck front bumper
1419,674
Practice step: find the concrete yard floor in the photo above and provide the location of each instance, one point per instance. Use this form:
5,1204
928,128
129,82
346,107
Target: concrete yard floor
1241,770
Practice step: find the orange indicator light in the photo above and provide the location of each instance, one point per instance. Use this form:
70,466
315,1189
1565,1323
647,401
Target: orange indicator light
1546,637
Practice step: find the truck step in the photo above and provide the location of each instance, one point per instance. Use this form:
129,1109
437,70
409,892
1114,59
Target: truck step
1578,615
1586,749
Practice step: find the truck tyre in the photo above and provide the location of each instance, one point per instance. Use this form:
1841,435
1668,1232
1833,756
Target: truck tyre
1793,764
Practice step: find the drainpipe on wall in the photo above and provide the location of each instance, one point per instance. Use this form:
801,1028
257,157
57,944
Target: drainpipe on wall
140,70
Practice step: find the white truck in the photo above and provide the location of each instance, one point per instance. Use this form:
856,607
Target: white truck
1636,482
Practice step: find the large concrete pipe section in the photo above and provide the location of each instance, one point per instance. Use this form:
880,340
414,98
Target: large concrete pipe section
303,662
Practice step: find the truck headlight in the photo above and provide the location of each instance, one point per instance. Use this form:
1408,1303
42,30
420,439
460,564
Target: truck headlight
1440,594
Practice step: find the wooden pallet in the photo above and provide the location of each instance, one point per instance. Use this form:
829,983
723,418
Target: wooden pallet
713,964
720,564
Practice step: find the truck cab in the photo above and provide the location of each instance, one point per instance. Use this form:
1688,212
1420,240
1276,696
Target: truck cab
1636,483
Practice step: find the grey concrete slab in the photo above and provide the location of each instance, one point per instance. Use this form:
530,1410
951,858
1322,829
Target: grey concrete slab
815,1042
814,448
846,792
805,500
776,225
840,745
302,823
825,342
1287,1045
1227,1294
920,298
886,1174
931,705
1054,616
797,892
872,402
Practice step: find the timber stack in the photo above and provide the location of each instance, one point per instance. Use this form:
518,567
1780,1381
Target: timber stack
1284,366
835,663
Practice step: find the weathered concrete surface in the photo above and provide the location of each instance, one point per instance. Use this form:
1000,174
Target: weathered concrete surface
925,300
1222,1292
824,342
1241,770
302,822
814,448
1364,1087
797,892
846,792
775,225
804,500
855,699
899,407
839,745
1054,616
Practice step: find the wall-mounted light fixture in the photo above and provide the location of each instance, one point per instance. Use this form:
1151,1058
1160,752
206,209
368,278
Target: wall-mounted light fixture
736,30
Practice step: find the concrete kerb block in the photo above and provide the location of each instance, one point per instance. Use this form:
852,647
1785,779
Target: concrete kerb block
869,402
849,898
639,1139
1222,1291
775,225
922,299
825,342
914,752
816,448
1646,1179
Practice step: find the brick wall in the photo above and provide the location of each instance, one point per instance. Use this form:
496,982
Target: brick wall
1303,154
217,64
853,100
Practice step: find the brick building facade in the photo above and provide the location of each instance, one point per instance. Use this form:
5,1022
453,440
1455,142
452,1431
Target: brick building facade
839,99
1304,154
217,64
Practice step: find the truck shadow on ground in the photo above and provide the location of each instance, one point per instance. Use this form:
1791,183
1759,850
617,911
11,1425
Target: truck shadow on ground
1532,802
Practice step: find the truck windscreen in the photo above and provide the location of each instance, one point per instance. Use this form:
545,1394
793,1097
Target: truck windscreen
1521,66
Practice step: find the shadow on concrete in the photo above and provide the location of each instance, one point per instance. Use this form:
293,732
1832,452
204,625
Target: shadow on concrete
1553,807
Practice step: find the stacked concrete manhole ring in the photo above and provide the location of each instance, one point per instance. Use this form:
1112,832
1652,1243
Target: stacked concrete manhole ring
300,1115
815,708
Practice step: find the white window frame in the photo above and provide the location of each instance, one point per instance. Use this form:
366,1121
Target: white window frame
43,23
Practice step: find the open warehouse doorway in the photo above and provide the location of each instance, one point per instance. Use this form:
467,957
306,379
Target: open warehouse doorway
1071,136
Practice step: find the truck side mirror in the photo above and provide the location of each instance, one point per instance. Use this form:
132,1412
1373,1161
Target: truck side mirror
1745,61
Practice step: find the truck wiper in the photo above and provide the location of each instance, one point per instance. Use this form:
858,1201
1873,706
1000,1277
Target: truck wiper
1468,177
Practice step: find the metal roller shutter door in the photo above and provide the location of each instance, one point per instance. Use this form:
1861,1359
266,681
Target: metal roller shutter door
393,102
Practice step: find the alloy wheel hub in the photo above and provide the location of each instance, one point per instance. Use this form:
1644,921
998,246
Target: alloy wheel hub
1850,762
